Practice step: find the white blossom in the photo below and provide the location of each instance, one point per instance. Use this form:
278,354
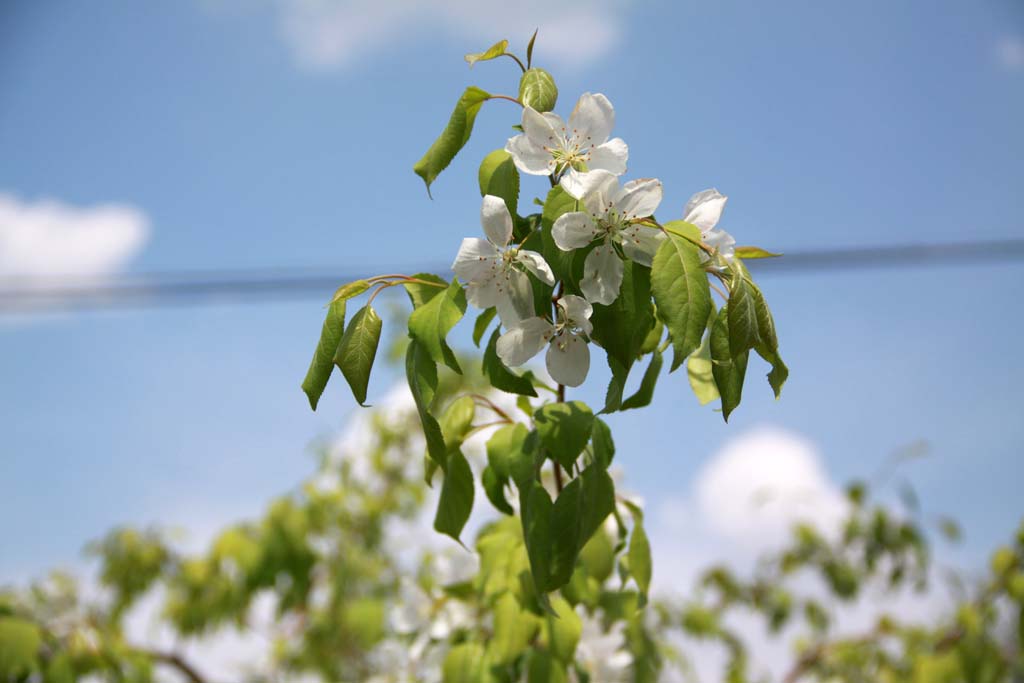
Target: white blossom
704,210
570,152
603,654
611,218
568,357
494,273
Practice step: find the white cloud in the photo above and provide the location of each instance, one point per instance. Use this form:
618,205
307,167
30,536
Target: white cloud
339,33
1010,53
48,238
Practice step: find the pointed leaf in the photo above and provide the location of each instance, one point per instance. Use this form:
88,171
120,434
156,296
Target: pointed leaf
464,663
682,294
645,393
494,51
322,365
622,326
421,292
564,429
456,421
494,487
421,373
456,502
352,289
536,505
755,252
728,370
453,138
529,49
601,440
357,350
640,556
430,324
744,331
483,321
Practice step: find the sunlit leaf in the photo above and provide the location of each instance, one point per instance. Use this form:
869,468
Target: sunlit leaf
453,138
357,350
494,51
456,501
322,365
537,89
682,294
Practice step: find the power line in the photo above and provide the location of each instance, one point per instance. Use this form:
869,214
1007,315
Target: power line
239,286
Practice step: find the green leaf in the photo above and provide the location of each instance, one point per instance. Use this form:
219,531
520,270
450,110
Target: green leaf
604,446
499,177
728,370
430,324
537,89
535,505
529,49
687,231
653,339
755,252
744,331
564,430
494,487
640,556
622,326
505,444
494,51
357,349
545,668
563,264
453,138
616,385
457,420
564,628
350,290
645,393
456,500
322,365
421,373
499,376
464,663
420,293
20,641
514,628
578,512
483,321
699,367
682,294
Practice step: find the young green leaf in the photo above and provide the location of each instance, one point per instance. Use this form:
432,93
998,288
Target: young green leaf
464,663
493,52
699,372
564,429
564,628
430,324
601,440
622,326
728,370
322,365
425,288
744,331
578,512
535,504
645,393
494,488
499,177
501,377
557,203
457,420
755,252
350,290
529,49
543,667
483,321
640,556
537,90
453,138
682,294
421,373
357,349
616,385
514,628
505,443
456,501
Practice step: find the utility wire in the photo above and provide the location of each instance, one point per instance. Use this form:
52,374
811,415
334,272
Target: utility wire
236,286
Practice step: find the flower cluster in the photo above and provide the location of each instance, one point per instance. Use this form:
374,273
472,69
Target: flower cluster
612,221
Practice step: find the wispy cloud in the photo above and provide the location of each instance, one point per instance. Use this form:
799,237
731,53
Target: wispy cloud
49,238
326,34
1009,52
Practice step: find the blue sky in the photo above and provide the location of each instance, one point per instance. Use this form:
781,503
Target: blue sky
827,124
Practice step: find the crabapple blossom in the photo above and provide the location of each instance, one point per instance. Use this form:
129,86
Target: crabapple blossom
704,210
568,357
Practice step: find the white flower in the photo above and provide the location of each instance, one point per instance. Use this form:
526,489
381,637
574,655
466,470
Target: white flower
611,216
704,210
568,358
493,272
548,146
603,655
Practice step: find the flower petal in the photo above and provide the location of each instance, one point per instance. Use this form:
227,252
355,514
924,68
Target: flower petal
573,230
536,264
592,119
568,359
579,184
483,293
515,297
496,220
603,189
528,157
523,341
705,209
640,243
611,157
543,130
602,275
477,260
576,310
639,198
722,241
